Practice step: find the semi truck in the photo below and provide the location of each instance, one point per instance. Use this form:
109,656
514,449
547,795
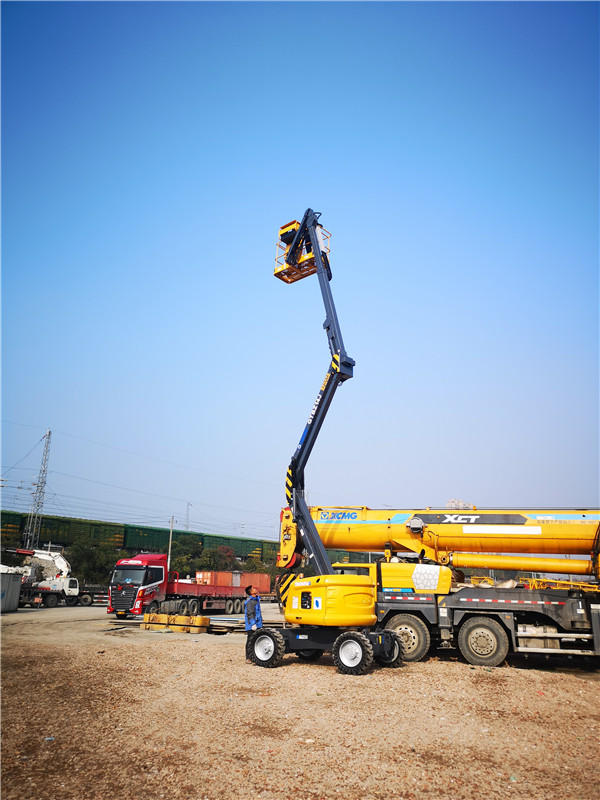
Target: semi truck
145,585
414,589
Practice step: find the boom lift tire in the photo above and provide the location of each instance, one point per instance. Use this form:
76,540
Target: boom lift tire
352,653
483,642
397,657
51,601
71,601
415,635
267,648
309,655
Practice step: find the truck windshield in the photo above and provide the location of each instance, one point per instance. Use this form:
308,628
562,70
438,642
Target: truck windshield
127,575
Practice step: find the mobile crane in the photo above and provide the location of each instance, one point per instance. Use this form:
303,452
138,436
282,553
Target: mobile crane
424,602
55,583
330,611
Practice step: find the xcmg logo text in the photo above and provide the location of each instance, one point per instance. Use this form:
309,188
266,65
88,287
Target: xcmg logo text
339,515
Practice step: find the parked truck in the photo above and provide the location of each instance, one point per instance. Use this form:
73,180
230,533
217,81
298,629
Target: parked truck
144,585
46,578
47,581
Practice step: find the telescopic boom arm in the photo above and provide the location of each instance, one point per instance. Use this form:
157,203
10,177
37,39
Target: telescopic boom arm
305,253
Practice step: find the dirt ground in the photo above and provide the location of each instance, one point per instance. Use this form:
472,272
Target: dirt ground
95,711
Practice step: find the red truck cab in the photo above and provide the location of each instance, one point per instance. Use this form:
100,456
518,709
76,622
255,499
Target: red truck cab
137,582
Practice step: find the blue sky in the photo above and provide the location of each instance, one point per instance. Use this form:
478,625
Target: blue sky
150,152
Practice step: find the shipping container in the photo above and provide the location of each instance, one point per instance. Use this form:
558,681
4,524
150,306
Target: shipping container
214,578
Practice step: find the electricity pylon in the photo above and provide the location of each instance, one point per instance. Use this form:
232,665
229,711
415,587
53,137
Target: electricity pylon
31,534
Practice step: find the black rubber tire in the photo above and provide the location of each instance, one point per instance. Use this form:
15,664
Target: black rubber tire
152,608
86,599
483,641
50,601
229,607
416,639
397,658
183,608
308,655
266,648
352,653
238,606
194,607
71,601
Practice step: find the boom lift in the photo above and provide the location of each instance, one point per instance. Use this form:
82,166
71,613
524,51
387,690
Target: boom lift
330,611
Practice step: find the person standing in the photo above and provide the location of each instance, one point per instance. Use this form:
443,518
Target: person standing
252,616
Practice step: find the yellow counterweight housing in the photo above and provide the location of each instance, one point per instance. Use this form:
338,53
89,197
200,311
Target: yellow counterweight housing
332,600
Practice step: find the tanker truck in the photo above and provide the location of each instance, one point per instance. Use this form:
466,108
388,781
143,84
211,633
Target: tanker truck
422,595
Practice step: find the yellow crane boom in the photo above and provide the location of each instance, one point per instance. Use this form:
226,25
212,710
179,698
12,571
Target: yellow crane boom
562,541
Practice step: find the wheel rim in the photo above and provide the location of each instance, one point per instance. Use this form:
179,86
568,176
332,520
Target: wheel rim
350,653
409,637
482,642
264,647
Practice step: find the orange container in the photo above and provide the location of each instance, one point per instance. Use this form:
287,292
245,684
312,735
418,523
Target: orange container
214,578
258,579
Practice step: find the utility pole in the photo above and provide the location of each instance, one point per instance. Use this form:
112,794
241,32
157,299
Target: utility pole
170,540
31,534
187,517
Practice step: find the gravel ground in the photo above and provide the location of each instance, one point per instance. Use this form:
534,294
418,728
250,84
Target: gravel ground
92,711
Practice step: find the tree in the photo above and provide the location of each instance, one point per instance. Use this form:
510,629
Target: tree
92,563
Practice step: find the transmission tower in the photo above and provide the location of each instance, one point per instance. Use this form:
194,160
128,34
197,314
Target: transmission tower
31,534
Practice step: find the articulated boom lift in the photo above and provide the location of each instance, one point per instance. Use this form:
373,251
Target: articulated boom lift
329,611
302,251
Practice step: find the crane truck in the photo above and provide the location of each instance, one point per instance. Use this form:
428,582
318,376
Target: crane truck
53,585
423,598
47,580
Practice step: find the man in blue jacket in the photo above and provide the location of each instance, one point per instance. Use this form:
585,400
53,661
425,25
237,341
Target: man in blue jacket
252,615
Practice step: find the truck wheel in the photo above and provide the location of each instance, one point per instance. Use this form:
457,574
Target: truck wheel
266,648
415,636
397,656
309,655
85,599
229,606
194,607
51,601
183,608
71,601
352,653
483,642
237,606
152,608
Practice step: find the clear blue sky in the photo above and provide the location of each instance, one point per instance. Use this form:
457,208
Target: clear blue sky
150,152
